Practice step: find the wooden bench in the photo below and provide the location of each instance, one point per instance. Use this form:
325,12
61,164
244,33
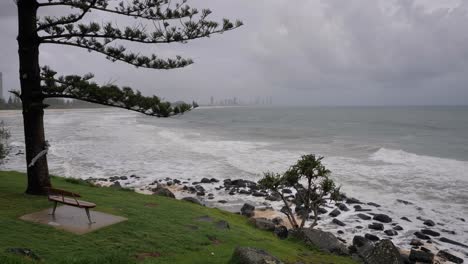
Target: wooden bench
68,198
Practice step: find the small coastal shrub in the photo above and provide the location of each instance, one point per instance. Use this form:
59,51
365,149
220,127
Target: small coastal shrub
310,179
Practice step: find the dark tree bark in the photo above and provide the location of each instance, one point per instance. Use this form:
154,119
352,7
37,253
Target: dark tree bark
31,96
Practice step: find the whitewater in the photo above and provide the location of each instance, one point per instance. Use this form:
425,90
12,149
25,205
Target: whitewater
377,154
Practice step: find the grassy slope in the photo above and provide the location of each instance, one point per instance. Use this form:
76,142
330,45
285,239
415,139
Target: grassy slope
162,228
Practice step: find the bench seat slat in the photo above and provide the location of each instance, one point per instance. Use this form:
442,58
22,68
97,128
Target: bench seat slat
71,201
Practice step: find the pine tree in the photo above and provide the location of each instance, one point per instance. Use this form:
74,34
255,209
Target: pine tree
172,23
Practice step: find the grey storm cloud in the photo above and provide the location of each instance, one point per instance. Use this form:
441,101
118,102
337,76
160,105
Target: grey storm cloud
332,52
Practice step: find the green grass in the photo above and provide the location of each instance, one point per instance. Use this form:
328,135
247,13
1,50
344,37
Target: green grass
161,229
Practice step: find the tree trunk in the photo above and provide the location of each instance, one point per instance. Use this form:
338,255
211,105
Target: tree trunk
31,96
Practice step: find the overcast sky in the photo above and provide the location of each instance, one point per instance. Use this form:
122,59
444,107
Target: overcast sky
308,52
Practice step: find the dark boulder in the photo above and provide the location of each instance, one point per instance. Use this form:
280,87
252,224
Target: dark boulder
391,232
205,180
259,194
382,218
429,223
227,182
363,216
214,180
243,183
353,201
161,191
398,228
446,240
248,210
192,200
359,241
116,185
404,202
384,252
421,235
372,237
421,256
176,181
342,207
324,240
335,213
406,219
322,210
373,204
288,191
199,188
376,226
281,232
248,192
430,232
338,222
363,247
444,254
248,255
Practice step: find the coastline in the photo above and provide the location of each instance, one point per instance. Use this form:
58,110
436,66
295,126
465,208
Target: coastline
354,218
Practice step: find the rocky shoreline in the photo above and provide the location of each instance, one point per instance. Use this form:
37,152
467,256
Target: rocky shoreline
357,228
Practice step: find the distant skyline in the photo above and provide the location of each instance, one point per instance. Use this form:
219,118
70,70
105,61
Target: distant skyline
312,52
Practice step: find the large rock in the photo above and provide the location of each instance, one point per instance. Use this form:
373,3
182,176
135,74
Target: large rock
363,216
161,191
391,232
353,201
338,222
429,223
372,237
335,213
421,256
376,226
444,254
248,210
446,240
248,255
430,232
192,200
326,241
363,246
382,218
384,252
421,235
205,180
342,207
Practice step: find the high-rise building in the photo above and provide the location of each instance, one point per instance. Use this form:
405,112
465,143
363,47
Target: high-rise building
1,85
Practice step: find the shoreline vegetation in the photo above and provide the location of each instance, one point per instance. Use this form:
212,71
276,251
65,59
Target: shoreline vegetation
159,230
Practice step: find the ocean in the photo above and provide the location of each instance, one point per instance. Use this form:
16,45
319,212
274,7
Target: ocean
378,154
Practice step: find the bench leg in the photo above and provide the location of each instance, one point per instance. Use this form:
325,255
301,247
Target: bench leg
89,216
55,207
